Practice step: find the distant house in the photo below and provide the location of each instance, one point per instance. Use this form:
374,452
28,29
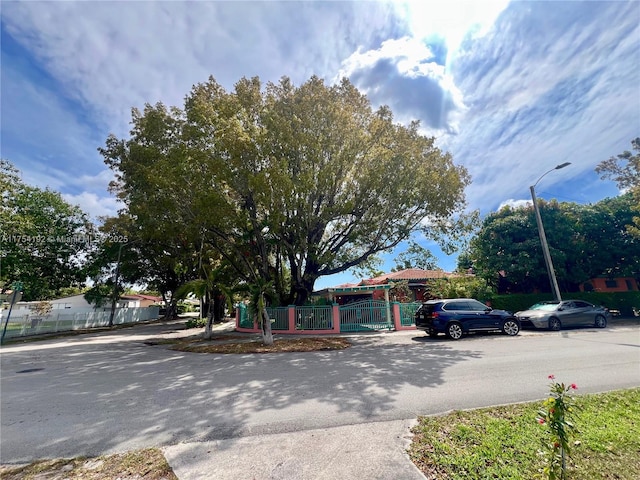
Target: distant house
65,303
72,301
378,288
78,302
609,284
137,300
125,301
417,280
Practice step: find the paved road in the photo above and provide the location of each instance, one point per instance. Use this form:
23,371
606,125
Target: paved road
95,394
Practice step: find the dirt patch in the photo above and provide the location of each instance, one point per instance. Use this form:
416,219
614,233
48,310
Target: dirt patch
311,344
147,464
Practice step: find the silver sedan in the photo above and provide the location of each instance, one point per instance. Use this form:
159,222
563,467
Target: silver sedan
568,313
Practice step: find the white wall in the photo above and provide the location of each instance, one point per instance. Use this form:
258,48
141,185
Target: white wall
74,301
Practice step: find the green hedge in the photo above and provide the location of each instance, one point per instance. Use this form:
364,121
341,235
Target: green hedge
624,302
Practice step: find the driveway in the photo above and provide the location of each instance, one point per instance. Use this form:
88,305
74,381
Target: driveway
109,392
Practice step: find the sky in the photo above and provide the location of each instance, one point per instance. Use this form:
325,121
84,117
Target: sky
509,88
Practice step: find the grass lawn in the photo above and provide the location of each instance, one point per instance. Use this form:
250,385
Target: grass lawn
490,443
504,442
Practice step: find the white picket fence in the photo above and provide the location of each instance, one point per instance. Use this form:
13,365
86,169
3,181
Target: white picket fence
22,324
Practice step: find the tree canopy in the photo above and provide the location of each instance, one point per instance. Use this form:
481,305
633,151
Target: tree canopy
624,169
286,183
42,238
415,256
585,241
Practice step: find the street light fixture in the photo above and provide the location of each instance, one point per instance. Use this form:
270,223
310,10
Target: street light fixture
543,237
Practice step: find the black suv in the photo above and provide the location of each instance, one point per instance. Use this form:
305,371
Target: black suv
462,315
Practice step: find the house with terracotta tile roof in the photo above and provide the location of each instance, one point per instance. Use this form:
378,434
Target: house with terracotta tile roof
377,288
417,281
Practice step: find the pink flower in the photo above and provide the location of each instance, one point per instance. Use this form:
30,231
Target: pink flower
541,421
552,377
574,386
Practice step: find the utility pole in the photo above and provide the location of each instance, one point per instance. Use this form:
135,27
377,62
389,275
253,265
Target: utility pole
17,288
543,238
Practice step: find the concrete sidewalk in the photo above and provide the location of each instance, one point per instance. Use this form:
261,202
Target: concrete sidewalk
353,452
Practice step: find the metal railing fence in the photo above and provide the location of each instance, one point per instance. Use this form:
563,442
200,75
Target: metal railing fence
279,317
314,317
364,316
407,313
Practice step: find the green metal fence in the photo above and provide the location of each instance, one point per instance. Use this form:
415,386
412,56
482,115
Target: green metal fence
407,313
365,315
245,319
279,317
314,317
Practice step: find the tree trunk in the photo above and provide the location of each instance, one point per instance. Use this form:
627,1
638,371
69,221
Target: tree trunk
166,304
215,310
218,307
304,289
208,329
204,307
172,309
267,336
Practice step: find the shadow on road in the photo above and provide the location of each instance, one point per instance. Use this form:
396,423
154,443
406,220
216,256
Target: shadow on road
88,398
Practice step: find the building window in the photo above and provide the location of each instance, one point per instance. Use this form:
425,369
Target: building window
611,283
629,285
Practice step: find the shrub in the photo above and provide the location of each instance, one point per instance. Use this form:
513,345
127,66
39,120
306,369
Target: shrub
196,323
557,414
624,302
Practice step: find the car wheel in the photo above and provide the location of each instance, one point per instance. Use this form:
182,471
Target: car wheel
601,322
454,331
510,327
432,333
555,324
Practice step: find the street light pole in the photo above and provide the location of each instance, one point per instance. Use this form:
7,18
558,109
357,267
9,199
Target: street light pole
543,238
17,287
114,297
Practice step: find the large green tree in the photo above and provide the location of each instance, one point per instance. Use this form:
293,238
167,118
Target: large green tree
415,256
158,255
287,183
43,238
624,169
585,241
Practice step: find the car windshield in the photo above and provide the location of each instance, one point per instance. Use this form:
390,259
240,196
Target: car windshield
544,306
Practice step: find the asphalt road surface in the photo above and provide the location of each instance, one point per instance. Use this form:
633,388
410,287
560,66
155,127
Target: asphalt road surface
103,393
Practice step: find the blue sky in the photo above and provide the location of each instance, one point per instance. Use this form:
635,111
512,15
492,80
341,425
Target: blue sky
510,89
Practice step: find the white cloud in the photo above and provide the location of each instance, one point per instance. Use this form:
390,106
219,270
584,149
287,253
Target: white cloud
403,74
515,203
93,205
452,20
544,92
117,55
98,182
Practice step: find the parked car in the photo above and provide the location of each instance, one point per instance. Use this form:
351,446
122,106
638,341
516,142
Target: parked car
568,313
457,316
